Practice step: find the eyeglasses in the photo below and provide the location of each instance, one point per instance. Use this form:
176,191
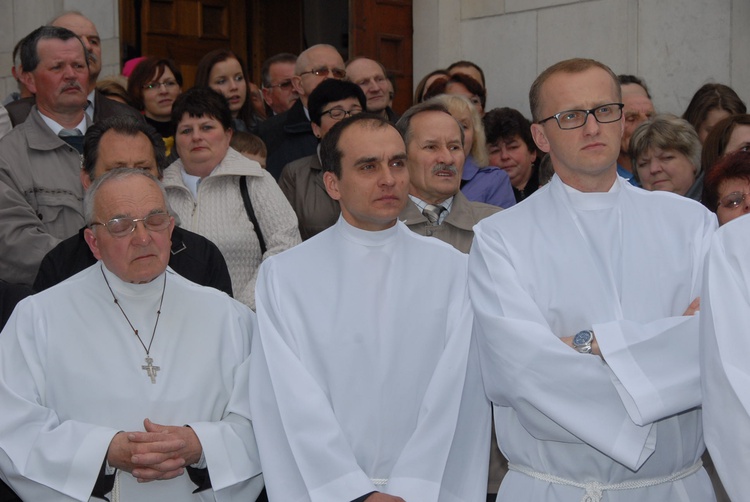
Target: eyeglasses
573,119
733,200
169,84
286,85
324,72
340,113
121,227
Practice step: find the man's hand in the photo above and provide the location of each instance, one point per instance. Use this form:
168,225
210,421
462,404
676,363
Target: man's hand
382,497
694,307
161,452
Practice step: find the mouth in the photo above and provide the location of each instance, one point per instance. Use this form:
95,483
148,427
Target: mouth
388,198
594,146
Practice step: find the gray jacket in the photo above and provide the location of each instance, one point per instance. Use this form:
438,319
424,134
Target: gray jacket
457,228
41,197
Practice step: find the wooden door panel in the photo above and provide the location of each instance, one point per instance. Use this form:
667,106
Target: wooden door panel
185,30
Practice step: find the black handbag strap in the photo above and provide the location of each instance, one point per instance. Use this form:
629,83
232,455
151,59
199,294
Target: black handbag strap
251,213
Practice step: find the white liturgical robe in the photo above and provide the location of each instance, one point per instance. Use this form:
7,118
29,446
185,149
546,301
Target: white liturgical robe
725,319
361,365
626,263
71,377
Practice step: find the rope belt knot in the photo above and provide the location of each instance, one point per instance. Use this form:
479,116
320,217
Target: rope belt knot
594,490
379,481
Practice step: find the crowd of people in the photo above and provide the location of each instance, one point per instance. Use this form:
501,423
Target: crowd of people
290,292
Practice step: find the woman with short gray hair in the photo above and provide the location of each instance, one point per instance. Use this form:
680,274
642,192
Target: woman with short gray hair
666,153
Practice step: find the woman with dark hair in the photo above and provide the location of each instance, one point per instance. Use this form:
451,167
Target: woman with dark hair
727,136
225,72
710,104
153,87
426,82
726,188
224,196
462,85
511,148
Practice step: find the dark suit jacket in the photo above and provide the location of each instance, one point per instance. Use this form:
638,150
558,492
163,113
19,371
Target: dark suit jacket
103,108
288,137
193,257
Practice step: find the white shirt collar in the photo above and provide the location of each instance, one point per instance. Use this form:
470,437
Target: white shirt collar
56,128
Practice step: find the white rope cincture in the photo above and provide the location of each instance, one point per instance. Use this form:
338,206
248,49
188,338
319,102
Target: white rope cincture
595,490
379,481
115,493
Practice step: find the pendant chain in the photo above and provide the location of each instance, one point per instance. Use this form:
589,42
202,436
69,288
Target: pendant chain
135,331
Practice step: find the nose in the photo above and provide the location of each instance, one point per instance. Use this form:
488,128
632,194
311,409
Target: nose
444,156
591,126
141,236
387,178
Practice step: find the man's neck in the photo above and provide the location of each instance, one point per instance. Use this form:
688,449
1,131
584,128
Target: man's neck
592,183
67,120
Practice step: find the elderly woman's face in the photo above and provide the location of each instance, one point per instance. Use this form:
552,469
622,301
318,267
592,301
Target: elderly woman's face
734,199
202,143
667,170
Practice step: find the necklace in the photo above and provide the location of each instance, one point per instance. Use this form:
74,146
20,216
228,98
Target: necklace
149,366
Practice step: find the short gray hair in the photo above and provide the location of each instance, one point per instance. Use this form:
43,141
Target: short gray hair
119,174
666,132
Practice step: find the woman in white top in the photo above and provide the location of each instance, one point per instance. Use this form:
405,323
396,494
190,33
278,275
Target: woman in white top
205,185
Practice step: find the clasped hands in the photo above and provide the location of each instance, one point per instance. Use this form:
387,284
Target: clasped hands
161,452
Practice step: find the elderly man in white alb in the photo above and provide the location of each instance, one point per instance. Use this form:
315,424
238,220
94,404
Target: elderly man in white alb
583,297
725,350
359,386
120,381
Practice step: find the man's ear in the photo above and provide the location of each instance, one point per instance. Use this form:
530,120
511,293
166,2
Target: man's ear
540,138
297,84
93,243
27,78
85,180
331,183
316,130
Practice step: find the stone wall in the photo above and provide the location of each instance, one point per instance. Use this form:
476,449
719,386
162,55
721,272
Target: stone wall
19,17
676,45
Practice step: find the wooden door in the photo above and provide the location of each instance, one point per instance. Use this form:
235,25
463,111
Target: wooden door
185,30
382,30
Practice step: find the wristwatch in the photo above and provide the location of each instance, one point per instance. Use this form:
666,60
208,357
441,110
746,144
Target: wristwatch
582,341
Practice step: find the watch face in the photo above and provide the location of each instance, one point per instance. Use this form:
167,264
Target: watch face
582,338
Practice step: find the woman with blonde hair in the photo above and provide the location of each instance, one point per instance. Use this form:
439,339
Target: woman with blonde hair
479,181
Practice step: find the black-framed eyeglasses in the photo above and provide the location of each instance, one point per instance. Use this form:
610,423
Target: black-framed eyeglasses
286,85
573,119
733,200
324,72
121,227
340,113
169,84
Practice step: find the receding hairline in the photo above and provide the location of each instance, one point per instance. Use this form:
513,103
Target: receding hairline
568,67
304,58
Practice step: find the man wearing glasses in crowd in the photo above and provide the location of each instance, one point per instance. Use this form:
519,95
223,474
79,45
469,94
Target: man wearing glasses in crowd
289,136
278,90
584,296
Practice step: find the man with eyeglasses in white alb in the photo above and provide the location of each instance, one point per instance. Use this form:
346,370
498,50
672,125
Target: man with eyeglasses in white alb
584,297
289,136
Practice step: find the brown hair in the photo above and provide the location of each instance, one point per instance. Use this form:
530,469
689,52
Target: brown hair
712,97
716,142
245,142
147,71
